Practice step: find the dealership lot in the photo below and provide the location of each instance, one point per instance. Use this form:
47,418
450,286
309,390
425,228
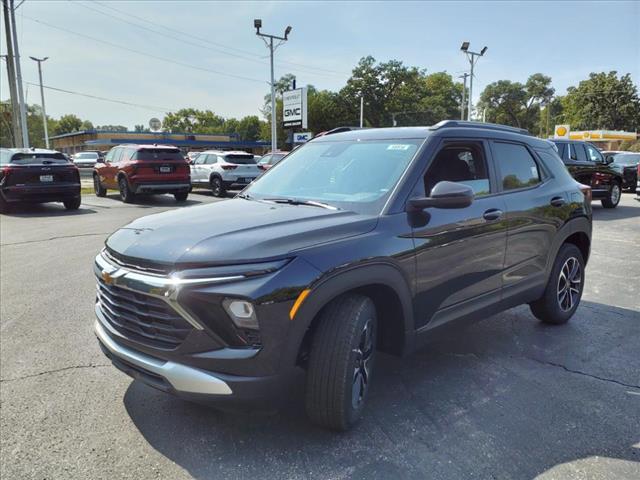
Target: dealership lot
507,398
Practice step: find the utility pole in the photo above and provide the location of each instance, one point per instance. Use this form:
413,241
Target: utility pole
44,112
473,58
257,23
16,51
11,72
464,92
362,111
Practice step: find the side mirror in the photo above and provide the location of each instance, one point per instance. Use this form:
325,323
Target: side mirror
608,159
444,195
100,160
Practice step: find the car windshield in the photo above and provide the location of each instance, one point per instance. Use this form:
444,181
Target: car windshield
37,158
240,159
86,155
351,175
158,154
627,158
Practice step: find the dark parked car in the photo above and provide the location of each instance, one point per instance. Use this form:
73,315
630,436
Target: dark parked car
35,175
368,240
626,164
142,170
588,166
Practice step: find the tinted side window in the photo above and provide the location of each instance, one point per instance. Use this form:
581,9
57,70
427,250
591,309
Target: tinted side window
562,150
593,153
460,162
200,159
517,167
211,159
577,152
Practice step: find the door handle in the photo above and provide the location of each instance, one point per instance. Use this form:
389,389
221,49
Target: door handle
492,214
557,201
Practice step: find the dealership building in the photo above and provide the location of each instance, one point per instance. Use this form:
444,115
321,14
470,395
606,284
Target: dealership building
104,140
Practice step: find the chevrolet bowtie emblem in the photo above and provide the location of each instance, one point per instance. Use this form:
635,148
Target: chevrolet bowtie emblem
107,278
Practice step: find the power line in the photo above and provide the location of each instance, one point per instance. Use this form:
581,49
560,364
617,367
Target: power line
145,54
210,42
96,97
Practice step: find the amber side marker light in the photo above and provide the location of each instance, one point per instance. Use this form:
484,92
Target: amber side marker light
298,302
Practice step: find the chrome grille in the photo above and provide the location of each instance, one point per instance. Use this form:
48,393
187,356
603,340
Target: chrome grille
142,318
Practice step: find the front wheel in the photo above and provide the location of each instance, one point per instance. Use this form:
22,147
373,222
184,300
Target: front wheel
126,194
341,362
613,198
73,203
99,190
564,289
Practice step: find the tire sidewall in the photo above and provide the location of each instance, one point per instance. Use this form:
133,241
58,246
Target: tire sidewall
123,187
566,252
217,187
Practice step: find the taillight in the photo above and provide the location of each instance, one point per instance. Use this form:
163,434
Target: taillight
4,173
228,167
586,191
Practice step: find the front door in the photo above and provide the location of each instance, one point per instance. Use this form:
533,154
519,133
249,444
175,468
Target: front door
459,252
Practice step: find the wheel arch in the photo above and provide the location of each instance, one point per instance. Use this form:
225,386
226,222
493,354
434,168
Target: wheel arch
384,284
576,231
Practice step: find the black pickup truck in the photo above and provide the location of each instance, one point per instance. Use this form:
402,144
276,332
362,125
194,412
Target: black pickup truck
588,166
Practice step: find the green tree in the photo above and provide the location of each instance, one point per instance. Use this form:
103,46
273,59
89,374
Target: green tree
516,104
112,128
140,128
249,128
67,124
192,120
603,101
231,126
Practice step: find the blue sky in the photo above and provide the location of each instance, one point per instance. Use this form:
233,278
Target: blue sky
565,40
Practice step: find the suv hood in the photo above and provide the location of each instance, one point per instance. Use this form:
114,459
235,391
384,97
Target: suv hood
234,231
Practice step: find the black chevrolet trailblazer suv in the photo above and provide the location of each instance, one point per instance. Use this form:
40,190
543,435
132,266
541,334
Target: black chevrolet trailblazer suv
357,242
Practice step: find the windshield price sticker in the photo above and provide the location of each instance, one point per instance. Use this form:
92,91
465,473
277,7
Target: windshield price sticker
398,147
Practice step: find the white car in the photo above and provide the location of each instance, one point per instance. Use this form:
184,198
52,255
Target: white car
222,171
85,159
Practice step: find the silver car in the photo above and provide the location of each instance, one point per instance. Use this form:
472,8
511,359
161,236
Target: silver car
222,171
85,159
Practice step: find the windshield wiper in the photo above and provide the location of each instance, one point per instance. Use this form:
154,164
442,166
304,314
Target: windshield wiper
296,201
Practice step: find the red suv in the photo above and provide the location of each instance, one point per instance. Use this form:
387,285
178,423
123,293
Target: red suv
142,169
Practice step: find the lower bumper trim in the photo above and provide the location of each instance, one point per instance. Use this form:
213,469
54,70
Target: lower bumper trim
181,377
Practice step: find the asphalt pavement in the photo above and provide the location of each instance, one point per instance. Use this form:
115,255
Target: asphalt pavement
507,398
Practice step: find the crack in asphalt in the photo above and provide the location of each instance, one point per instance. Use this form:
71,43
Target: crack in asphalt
57,370
578,372
56,238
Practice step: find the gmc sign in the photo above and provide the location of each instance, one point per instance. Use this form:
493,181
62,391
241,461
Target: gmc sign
294,108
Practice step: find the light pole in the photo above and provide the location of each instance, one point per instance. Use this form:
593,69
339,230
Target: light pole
44,112
464,92
473,58
257,23
362,111
18,70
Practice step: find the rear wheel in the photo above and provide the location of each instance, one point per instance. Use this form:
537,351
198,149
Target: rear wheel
126,194
98,188
564,289
73,203
613,198
341,362
217,187
181,196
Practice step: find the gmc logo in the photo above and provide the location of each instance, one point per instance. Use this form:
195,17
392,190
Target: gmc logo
289,112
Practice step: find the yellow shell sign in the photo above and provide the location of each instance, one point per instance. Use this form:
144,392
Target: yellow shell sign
561,131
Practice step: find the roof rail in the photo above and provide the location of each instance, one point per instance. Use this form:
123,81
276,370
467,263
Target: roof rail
488,126
342,129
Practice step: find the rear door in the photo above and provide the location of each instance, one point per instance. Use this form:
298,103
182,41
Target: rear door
110,169
536,208
603,175
578,163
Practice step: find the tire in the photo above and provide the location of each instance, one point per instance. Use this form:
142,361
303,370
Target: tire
181,196
99,190
612,200
341,362
217,187
554,307
126,194
73,204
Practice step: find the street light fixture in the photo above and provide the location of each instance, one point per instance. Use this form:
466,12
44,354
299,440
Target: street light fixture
257,23
44,113
473,58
